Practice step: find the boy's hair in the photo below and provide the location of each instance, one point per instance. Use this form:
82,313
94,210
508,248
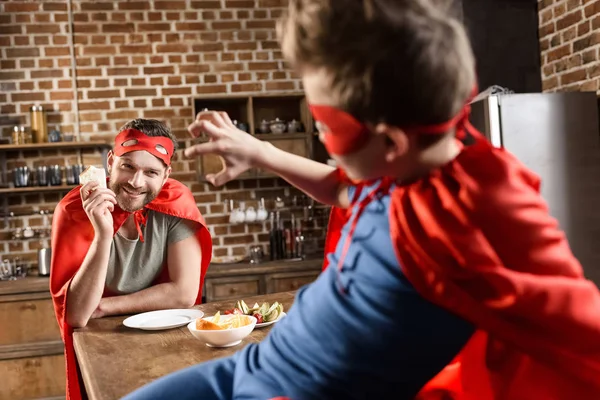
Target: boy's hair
402,62
152,127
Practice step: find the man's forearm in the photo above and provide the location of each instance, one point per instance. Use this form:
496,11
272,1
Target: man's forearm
158,297
319,181
88,284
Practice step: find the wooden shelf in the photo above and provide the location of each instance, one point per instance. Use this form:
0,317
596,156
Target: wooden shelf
40,349
57,145
37,189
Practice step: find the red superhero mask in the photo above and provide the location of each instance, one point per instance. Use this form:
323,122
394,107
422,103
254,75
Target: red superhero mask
133,140
343,134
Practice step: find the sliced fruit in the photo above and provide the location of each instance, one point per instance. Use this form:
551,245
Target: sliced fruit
204,325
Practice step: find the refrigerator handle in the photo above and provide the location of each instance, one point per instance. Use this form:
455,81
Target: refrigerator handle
493,118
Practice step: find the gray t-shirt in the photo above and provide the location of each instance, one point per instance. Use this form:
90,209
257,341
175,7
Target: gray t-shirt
134,264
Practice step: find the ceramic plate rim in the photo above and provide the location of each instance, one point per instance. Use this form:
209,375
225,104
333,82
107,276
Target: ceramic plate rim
263,324
132,321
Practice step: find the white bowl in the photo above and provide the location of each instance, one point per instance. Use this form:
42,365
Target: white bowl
225,337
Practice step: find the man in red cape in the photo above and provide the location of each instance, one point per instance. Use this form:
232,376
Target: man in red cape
446,278
147,209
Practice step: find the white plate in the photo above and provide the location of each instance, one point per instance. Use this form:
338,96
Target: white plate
162,319
262,325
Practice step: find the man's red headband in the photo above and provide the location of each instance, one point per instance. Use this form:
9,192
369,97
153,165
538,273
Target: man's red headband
133,140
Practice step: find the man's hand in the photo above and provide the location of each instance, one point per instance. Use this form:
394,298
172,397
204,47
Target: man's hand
238,150
98,204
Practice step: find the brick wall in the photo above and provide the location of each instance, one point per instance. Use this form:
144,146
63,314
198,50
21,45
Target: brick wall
136,59
570,44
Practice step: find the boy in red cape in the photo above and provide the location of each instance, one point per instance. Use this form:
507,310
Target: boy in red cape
136,246
446,278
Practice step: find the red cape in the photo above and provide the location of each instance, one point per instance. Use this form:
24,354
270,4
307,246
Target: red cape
475,237
72,234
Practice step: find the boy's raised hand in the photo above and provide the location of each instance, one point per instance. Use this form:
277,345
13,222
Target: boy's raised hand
238,150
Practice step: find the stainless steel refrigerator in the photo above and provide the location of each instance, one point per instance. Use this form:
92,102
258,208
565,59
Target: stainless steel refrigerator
557,135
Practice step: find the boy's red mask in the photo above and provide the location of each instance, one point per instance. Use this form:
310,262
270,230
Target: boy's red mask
133,140
343,134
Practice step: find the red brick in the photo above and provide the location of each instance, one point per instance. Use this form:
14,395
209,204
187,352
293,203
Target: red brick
569,20
47,73
103,94
239,3
259,14
228,67
586,42
45,85
592,9
172,48
41,18
159,70
12,75
46,63
54,96
85,28
17,7
589,56
596,23
590,86
134,5
89,50
34,96
157,81
25,63
594,71
118,28
42,28
136,49
203,4
247,87
23,18
194,69
22,52
94,105
226,25
140,92
56,51
569,34
154,27
547,29
559,53
89,72
241,46
279,86
262,66
52,6
177,91
22,40
190,26
572,77
41,40
65,84
93,6
269,24
208,89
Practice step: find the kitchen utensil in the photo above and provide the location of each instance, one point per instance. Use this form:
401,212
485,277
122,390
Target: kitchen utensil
250,215
277,126
44,258
261,213
256,254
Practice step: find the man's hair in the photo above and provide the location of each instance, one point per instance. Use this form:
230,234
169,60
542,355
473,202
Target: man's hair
403,62
152,127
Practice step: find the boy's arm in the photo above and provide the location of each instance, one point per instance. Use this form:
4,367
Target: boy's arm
241,151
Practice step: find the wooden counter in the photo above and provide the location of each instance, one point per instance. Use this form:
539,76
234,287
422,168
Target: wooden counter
115,360
31,350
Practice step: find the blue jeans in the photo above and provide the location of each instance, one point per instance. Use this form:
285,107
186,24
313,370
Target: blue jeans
212,380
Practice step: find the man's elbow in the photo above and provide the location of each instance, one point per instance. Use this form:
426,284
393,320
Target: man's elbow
186,299
76,321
